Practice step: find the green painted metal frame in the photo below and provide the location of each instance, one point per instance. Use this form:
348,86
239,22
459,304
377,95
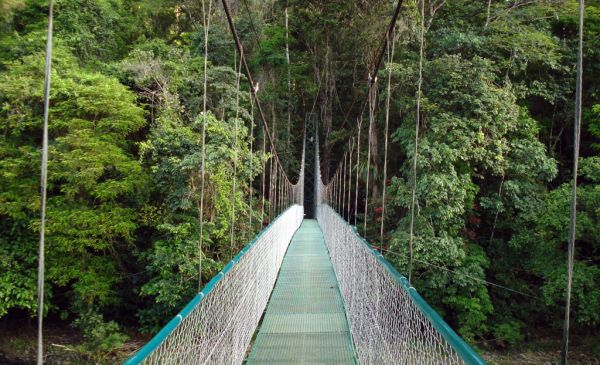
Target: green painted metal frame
465,351
149,347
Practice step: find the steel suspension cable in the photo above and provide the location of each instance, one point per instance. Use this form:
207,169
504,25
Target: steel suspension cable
330,192
372,91
277,190
256,37
333,192
264,166
235,154
43,190
371,95
357,168
289,76
371,76
372,80
250,184
270,188
275,158
250,79
371,73
284,184
273,196
275,186
344,185
416,144
285,189
385,134
573,212
206,23
286,195
339,186
332,182
371,86
280,190
337,189
350,178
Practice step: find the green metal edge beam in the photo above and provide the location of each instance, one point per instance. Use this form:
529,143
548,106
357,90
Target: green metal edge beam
465,351
149,347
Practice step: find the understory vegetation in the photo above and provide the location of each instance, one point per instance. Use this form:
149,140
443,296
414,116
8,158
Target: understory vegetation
494,166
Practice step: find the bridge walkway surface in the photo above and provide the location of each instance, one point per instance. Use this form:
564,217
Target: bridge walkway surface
305,321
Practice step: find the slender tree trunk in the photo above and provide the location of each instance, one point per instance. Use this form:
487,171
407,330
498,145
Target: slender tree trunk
487,19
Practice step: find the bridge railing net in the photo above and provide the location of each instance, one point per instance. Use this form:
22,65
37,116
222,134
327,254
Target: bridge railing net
389,321
217,325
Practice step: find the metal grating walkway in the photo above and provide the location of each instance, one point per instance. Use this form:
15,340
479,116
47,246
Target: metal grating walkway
305,322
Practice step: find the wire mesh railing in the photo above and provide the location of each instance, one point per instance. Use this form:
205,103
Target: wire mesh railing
217,325
389,321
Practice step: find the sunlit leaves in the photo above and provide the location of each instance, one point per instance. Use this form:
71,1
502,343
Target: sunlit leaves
93,178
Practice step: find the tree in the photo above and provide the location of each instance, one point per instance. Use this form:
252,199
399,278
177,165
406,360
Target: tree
542,240
170,78
95,184
474,139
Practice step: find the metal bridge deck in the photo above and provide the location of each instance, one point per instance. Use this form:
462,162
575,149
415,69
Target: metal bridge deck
305,322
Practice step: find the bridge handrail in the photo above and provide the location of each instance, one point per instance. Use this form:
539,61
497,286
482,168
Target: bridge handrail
153,344
463,349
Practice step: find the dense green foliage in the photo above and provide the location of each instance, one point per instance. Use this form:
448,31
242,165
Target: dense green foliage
495,153
122,228
493,168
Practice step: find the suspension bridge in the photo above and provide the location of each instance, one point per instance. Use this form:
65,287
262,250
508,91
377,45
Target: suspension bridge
308,289
327,296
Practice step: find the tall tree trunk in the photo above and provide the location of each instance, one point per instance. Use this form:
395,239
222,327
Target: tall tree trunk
487,18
